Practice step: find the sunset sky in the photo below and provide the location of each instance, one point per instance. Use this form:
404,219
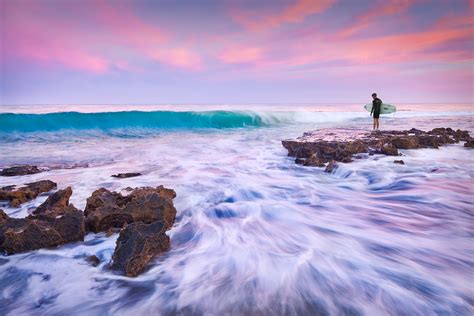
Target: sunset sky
268,51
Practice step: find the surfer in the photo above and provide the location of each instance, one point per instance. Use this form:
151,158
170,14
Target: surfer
376,105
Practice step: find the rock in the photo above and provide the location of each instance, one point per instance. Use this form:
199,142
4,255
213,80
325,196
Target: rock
405,142
319,147
126,175
314,161
106,209
26,193
389,150
137,245
401,162
42,230
56,203
331,166
93,260
20,171
469,143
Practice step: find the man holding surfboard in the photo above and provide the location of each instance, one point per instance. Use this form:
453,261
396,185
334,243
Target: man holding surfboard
376,105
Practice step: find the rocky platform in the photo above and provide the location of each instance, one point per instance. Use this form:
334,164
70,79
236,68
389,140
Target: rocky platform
319,147
20,170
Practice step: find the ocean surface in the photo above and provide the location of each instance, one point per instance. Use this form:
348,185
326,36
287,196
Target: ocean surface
255,234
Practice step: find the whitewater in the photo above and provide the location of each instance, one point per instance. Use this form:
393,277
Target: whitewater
255,234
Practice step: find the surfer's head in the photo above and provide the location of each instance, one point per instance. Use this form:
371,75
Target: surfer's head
374,95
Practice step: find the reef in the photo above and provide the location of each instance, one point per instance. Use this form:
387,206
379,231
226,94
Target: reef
17,196
317,148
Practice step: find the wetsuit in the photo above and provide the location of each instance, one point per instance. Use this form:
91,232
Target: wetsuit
376,105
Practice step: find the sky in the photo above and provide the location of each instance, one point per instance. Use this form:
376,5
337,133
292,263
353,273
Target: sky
235,52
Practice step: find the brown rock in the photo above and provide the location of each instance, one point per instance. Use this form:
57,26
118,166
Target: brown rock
42,231
105,209
3,216
469,143
137,245
389,150
405,142
55,203
401,162
126,175
93,260
314,161
19,171
331,166
26,193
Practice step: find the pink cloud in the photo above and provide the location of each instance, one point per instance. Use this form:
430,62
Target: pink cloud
384,8
239,54
297,12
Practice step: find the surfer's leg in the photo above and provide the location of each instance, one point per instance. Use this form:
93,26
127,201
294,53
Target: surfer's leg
377,123
375,120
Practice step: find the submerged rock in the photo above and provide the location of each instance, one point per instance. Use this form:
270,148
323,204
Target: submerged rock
331,166
25,193
400,162
137,245
20,171
44,230
320,147
469,143
106,209
126,175
93,260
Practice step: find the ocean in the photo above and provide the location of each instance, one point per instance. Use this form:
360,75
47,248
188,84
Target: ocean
255,233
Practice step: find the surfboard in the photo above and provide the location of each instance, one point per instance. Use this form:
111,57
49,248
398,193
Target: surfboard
384,109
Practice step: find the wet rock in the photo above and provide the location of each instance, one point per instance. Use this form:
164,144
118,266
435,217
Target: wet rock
469,143
320,147
389,150
314,161
126,175
58,223
400,162
42,231
137,245
56,203
93,260
25,193
106,209
331,166
20,171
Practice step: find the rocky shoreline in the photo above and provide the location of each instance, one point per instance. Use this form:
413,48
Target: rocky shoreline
325,148
142,218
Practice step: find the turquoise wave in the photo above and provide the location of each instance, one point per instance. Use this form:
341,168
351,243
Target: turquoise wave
10,122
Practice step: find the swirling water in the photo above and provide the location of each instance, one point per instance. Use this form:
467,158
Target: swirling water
255,233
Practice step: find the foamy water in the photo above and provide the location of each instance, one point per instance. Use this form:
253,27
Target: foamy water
256,233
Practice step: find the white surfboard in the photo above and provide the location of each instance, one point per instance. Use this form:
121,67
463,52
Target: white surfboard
384,109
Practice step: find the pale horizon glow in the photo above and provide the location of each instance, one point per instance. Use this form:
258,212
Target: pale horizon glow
235,52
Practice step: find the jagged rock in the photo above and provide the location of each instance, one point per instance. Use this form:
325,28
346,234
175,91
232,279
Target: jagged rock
20,171
44,230
56,203
331,166
400,162
137,245
319,147
26,193
469,143
106,209
93,260
126,175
